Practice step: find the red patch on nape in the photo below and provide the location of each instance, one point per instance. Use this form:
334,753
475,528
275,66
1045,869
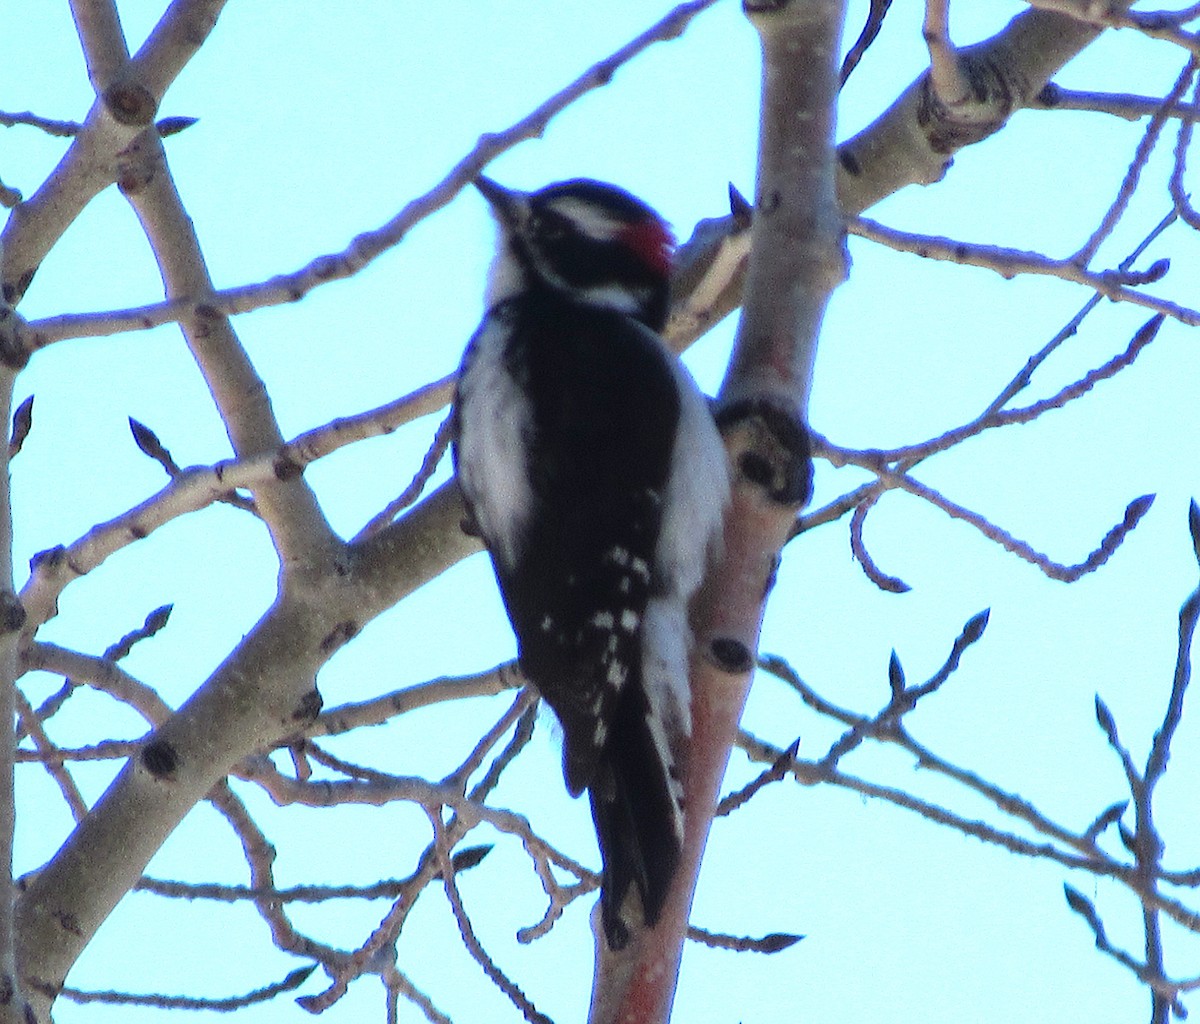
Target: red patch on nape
652,242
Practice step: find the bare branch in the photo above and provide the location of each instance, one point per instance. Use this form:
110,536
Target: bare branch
205,301
197,487
876,13
947,75
1055,570
437,450
858,547
470,940
776,942
1140,158
1122,105
260,859
124,109
914,140
398,984
995,417
888,478
1006,262
1163,25
399,702
61,129
797,258
1175,186
287,505
1161,986
100,673
775,773
162,1001
46,751
102,38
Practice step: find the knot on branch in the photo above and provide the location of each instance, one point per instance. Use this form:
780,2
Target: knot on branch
770,447
137,166
160,759
309,707
342,633
14,352
130,104
14,291
731,655
12,613
994,95
54,564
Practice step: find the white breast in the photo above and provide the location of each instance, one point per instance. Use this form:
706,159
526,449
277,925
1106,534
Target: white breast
495,424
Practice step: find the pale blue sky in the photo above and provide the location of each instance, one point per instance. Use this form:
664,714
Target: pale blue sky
318,121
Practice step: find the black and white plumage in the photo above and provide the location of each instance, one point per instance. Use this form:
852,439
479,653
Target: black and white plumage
594,473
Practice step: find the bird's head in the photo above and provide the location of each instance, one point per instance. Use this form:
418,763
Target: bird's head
592,241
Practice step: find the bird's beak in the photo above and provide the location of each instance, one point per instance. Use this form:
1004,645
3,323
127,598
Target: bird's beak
509,206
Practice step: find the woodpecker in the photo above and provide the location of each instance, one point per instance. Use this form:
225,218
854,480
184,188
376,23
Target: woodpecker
592,469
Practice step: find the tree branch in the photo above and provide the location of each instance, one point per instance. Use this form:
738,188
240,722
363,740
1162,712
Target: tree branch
796,259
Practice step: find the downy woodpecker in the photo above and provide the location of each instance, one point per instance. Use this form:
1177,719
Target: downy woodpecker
594,473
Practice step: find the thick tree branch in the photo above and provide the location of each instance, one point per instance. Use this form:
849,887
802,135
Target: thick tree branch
125,106
12,617
286,503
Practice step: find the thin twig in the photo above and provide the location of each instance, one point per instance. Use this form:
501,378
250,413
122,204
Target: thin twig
55,767
369,245
776,942
994,416
1008,262
1175,187
161,1001
467,931
1140,158
1127,106
876,12
433,456
49,125
946,76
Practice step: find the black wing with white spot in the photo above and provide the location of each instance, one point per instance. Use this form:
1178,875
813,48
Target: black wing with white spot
586,480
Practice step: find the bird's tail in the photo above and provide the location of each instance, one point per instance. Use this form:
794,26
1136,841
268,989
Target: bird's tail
639,821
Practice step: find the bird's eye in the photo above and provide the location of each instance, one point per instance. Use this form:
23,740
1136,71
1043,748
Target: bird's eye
548,229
